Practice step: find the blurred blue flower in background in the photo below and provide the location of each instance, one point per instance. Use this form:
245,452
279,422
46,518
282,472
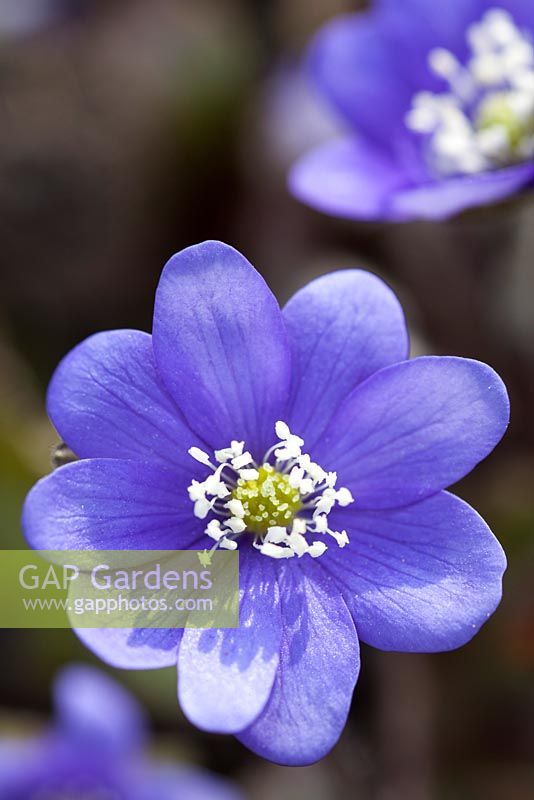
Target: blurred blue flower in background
24,17
438,99
94,751
387,557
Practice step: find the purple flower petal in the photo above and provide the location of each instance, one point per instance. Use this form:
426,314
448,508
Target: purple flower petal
319,666
225,676
95,712
343,327
353,64
133,648
107,401
420,578
110,504
521,10
442,199
347,178
418,26
415,428
16,759
221,346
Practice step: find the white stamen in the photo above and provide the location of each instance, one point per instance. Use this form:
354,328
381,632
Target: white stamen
236,525
227,453
443,63
344,497
249,474
341,538
276,551
282,430
276,535
486,118
196,491
202,508
317,549
306,480
241,461
227,544
199,455
299,526
214,530
235,507
298,544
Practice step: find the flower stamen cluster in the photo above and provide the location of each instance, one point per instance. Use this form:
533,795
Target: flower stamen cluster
486,119
280,502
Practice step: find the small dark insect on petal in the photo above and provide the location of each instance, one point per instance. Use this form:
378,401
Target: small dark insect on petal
61,455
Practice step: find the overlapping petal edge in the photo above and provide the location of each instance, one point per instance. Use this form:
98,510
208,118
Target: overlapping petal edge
422,571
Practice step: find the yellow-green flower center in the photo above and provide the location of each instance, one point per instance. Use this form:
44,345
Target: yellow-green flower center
497,110
268,501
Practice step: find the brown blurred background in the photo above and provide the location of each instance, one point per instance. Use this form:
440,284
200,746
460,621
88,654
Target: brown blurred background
130,129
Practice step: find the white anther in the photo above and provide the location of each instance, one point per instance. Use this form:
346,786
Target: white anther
282,430
235,507
422,119
291,444
202,508
222,456
341,537
443,63
321,523
227,453
249,474
298,544
331,479
295,477
199,455
326,502
276,534
316,549
306,486
500,27
236,525
315,471
241,461
344,497
487,69
227,544
196,491
276,551
214,486
299,526
290,450
214,530
479,40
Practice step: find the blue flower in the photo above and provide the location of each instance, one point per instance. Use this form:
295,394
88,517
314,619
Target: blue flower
438,98
94,751
29,16
306,438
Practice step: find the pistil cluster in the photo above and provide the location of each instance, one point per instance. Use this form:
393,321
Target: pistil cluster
283,503
486,119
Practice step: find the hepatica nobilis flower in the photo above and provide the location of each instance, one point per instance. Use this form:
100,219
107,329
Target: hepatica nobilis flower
94,750
303,437
438,98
